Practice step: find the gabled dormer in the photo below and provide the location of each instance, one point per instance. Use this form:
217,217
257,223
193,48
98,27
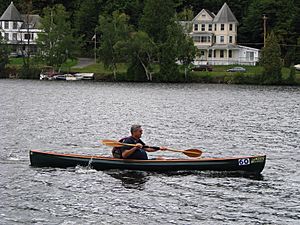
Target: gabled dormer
203,21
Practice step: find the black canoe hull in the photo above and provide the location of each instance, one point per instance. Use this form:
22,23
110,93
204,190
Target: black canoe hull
251,165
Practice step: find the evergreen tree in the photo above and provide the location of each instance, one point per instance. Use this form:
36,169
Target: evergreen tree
271,61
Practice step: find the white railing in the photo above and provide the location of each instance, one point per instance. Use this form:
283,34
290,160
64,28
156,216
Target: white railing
239,61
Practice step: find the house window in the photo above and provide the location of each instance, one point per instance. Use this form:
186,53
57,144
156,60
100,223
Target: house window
209,53
15,25
6,25
208,39
230,53
209,27
196,39
6,36
195,27
14,36
215,54
221,53
222,39
203,27
230,39
203,39
28,36
222,26
202,53
215,27
230,27
203,15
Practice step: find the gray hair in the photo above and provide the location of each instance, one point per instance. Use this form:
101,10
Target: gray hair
135,127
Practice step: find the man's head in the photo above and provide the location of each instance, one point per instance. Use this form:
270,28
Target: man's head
136,131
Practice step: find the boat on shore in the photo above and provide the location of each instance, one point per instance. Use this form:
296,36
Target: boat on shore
48,73
243,165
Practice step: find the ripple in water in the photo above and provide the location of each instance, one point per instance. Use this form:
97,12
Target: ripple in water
222,120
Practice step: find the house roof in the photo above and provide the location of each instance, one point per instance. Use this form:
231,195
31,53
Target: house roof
209,13
11,14
223,47
225,15
31,21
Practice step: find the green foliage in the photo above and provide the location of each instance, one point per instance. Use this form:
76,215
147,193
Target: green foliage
292,76
57,43
157,16
271,61
4,51
114,29
139,51
85,22
281,17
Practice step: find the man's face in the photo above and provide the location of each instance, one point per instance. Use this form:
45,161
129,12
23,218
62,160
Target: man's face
138,133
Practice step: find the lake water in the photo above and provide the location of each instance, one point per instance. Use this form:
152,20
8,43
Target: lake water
222,120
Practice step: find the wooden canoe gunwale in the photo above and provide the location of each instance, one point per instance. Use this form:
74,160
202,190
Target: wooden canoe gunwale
54,159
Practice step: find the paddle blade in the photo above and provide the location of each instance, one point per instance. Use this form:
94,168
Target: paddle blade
193,152
112,143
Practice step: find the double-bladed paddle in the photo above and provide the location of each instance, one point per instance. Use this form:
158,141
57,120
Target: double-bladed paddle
188,152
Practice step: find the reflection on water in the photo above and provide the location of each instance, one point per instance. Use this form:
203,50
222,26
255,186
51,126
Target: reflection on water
130,179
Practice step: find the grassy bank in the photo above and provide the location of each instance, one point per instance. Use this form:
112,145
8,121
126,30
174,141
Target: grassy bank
218,75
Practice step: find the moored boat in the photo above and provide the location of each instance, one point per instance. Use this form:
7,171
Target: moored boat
249,165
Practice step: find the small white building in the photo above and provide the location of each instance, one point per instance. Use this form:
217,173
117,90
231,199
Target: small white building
216,38
19,31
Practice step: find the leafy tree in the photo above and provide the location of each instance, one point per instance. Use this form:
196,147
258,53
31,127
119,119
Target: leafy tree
56,43
114,29
140,51
271,61
4,51
186,50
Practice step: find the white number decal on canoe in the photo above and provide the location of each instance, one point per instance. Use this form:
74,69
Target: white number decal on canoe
244,162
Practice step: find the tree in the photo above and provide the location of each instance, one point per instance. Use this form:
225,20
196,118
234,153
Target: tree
85,20
271,61
157,16
4,51
56,43
140,51
280,13
114,29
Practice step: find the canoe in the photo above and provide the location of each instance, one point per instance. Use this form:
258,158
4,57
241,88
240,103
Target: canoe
250,165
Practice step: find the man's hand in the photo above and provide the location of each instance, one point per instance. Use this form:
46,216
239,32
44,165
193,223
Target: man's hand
139,145
163,148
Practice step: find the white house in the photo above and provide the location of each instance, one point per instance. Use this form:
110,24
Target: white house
216,38
20,31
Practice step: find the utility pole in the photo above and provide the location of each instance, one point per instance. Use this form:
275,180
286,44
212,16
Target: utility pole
95,48
265,28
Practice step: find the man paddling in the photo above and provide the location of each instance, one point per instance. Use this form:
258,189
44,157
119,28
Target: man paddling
137,152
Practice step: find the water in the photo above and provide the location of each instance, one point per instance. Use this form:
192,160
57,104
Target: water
223,120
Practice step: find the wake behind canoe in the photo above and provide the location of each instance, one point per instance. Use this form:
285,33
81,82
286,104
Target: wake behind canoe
251,164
